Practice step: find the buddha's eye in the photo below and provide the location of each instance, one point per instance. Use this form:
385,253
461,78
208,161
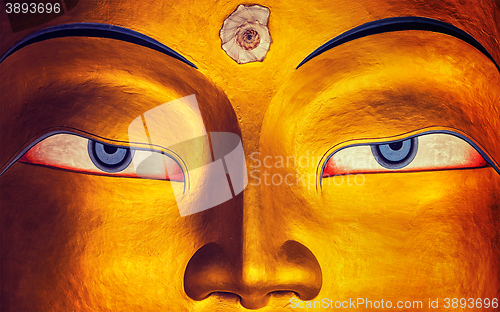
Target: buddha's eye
75,153
425,152
395,155
109,158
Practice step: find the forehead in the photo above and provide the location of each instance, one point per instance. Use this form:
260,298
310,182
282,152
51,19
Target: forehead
297,28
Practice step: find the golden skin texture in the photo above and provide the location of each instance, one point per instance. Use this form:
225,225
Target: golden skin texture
85,242
371,229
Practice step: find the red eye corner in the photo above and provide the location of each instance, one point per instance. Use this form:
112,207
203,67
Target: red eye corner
174,171
475,160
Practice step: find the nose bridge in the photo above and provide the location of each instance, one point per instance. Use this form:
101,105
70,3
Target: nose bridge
261,265
271,261
260,241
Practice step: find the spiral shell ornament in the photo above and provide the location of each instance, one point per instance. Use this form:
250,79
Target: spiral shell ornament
244,34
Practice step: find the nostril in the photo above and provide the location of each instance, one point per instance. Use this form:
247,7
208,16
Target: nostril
248,302
255,301
293,272
227,297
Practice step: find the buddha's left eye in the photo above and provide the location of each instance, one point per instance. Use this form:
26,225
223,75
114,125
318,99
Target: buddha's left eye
75,153
426,152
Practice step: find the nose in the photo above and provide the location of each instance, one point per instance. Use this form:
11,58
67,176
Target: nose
256,264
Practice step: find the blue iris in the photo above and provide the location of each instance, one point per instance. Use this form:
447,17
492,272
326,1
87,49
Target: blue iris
397,154
109,158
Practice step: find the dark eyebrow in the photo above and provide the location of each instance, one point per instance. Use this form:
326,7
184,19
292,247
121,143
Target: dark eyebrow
96,30
399,24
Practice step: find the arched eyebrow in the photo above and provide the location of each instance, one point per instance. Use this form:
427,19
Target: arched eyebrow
96,30
399,24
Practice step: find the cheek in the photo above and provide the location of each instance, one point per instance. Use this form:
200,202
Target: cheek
42,230
92,241
430,233
135,258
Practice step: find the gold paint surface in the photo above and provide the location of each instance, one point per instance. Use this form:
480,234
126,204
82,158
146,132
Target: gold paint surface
76,242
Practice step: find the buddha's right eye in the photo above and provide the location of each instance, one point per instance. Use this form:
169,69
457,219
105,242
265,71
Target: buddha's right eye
75,153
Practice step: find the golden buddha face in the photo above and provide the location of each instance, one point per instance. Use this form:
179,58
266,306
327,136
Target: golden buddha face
370,172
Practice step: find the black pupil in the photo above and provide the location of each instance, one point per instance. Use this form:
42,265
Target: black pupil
110,149
249,37
396,146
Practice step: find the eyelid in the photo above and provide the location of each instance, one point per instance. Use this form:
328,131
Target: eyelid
420,133
69,151
73,131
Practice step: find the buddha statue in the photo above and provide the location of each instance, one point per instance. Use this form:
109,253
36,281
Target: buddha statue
222,156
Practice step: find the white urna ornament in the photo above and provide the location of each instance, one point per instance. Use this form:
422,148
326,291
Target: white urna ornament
244,34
